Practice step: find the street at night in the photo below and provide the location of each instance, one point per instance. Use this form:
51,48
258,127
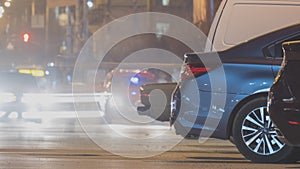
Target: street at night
149,84
63,144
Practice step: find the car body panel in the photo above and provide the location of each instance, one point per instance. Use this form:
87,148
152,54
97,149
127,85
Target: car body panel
284,102
249,81
232,19
249,71
152,99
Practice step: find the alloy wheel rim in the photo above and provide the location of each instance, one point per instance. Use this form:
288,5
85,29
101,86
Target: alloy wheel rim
258,133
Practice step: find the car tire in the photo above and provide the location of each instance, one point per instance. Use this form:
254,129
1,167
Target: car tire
255,136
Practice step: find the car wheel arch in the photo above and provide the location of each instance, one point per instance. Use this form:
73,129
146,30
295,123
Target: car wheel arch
236,110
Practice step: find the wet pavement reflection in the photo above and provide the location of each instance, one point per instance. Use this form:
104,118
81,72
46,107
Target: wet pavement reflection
58,141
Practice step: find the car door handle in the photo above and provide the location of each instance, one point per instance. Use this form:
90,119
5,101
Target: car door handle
289,100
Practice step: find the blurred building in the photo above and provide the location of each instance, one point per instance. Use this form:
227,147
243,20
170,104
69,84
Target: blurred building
61,27
22,32
56,30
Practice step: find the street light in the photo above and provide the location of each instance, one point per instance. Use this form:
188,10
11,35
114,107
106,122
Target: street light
7,4
1,10
90,4
165,2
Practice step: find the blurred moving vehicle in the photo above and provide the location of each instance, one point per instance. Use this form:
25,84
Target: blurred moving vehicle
283,100
127,80
37,72
13,86
250,69
124,85
155,99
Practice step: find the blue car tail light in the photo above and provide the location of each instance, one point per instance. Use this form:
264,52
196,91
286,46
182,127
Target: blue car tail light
135,80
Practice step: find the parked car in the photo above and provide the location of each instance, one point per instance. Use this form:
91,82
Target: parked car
284,95
250,69
231,17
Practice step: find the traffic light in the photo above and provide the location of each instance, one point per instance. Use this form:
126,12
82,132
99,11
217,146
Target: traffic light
26,37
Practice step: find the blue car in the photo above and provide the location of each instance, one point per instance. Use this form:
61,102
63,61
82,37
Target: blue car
228,99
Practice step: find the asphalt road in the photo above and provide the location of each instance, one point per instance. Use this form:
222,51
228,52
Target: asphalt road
45,141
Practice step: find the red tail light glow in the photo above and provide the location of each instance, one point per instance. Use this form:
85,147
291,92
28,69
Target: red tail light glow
293,122
145,94
199,70
193,71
